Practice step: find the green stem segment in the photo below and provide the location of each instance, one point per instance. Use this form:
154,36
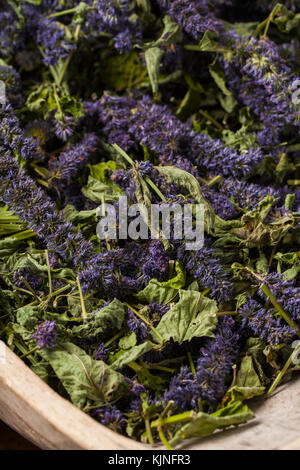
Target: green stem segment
158,367
160,423
84,314
223,314
51,67
124,154
147,179
214,180
63,13
155,188
64,69
163,438
210,118
192,366
57,99
115,337
166,410
273,300
283,371
148,431
30,289
270,19
29,352
185,417
58,291
267,22
49,272
278,307
161,339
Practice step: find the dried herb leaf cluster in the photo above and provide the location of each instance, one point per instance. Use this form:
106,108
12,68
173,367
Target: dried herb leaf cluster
162,101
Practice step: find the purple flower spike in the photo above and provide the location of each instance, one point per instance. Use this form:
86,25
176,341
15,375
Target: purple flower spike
46,334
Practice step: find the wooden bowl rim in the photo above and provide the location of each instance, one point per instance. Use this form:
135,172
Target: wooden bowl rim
22,408
55,423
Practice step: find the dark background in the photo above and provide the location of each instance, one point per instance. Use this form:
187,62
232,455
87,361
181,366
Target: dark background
10,440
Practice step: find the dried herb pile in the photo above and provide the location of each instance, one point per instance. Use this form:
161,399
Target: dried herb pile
162,101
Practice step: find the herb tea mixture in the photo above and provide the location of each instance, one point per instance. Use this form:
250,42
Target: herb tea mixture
170,102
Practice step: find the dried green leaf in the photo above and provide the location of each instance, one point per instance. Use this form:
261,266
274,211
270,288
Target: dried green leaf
106,320
87,381
204,424
194,315
132,355
155,292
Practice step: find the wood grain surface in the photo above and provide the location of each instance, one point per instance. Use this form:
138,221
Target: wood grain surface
33,409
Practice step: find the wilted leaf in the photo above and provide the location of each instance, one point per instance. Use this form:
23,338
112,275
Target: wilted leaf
204,424
96,190
107,319
128,341
248,384
154,51
132,355
208,43
186,180
28,317
178,281
86,380
193,316
153,57
102,172
155,292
